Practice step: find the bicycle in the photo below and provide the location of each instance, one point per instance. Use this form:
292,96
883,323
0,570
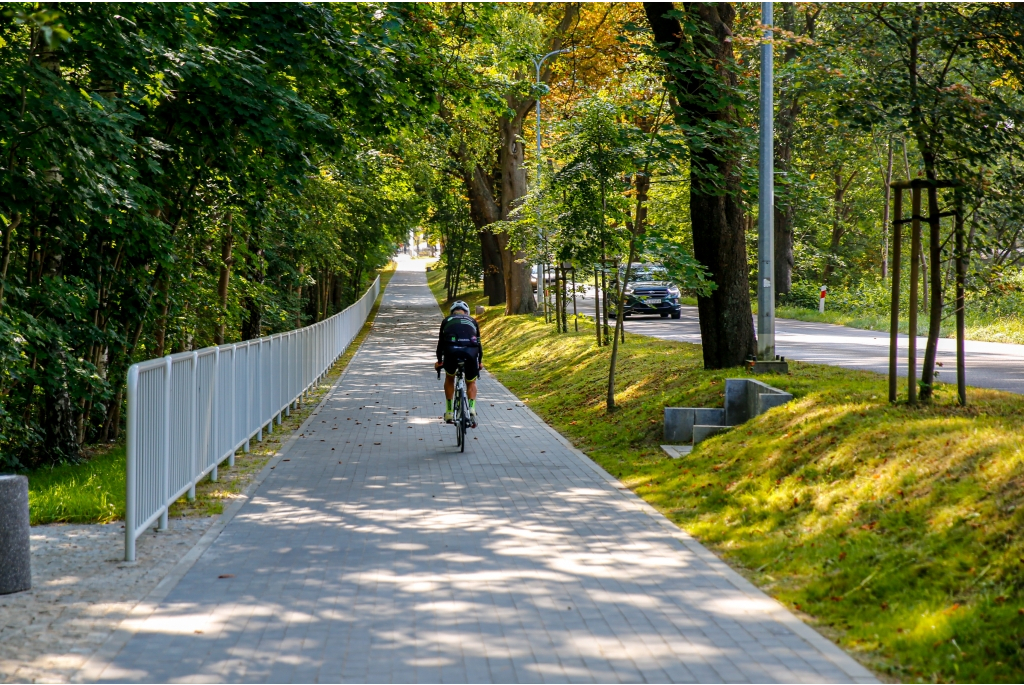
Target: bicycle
460,406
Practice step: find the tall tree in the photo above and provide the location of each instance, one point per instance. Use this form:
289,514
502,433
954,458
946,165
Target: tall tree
695,42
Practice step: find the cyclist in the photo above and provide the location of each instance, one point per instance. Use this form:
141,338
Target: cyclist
459,339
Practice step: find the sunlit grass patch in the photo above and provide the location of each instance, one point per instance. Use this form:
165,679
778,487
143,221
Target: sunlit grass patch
91,492
895,530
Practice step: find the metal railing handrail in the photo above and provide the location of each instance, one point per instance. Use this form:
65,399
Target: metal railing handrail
190,411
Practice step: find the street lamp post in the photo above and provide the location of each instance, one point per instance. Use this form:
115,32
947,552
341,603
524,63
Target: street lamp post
766,200
538,62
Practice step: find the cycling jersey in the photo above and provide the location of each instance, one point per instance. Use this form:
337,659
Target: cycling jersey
459,336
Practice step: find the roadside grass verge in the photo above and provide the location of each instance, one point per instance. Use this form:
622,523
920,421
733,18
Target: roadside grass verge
94,490
896,531
1002,329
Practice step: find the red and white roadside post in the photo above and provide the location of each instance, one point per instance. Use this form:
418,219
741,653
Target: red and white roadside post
821,299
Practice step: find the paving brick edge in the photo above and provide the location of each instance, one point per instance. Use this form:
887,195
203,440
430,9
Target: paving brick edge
104,656
846,663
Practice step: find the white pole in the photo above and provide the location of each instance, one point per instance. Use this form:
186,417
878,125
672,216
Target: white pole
165,471
766,200
131,465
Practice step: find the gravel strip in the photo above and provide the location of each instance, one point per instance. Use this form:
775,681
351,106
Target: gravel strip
81,590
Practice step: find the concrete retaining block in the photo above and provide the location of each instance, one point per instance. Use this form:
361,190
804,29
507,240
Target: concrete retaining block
679,422
745,398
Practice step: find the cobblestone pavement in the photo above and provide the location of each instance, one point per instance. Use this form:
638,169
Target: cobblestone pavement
81,590
377,552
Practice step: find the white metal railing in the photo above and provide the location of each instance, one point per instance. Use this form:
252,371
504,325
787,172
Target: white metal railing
188,412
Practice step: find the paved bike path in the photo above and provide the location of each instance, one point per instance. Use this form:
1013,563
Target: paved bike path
379,553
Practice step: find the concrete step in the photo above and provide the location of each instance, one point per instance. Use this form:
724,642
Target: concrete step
677,451
704,432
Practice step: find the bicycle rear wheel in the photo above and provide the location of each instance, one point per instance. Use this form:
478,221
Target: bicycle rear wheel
463,421
457,406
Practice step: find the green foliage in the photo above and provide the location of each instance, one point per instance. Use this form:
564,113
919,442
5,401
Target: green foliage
453,229
176,175
680,265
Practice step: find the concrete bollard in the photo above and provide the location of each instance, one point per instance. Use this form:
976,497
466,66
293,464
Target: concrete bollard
480,310
15,551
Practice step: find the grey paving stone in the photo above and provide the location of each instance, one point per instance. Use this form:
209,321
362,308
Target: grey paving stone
409,561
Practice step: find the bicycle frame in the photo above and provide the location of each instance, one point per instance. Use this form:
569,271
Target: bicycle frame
460,406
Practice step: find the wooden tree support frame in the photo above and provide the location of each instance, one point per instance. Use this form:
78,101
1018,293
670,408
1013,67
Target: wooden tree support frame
935,312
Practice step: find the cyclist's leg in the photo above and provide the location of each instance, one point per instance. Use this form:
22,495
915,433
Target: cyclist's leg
449,386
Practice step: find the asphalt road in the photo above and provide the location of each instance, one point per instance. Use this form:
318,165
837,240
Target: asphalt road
989,365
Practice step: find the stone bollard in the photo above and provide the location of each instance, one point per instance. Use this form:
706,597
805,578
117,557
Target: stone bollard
15,567
480,310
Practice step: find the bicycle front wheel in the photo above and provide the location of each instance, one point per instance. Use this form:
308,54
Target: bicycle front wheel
457,406
464,422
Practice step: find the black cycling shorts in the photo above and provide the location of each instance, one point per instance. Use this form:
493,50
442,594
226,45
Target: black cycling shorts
469,356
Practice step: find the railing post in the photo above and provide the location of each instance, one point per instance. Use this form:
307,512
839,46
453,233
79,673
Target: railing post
234,402
248,398
195,428
165,471
259,391
131,463
213,415
270,382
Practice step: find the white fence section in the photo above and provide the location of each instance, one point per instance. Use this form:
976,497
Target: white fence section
189,412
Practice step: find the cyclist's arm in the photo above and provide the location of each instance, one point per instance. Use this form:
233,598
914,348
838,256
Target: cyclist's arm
440,342
480,345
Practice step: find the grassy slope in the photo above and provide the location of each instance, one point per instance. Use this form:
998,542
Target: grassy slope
894,530
94,491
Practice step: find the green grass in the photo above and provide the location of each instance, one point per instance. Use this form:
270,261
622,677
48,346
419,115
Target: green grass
1003,329
91,492
894,530
94,490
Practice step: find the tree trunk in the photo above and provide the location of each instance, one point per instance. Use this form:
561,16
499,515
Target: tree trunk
483,210
494,274
298,296
518,290
226,260
716,213
160,332
840,213
935,310
6,259
642,184
887,188
252,328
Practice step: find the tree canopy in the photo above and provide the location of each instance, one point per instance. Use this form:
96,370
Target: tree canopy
180,175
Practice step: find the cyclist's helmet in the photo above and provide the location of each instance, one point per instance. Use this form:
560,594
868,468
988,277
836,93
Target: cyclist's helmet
458,304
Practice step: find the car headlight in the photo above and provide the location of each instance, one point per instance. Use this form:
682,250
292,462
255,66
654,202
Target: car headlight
673,291
629,290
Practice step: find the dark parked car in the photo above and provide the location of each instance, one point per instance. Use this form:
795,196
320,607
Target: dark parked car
649,291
